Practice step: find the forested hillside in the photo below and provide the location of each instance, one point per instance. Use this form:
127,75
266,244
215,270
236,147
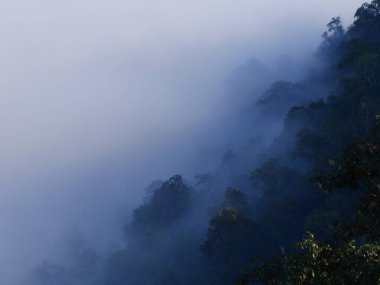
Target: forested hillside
303,208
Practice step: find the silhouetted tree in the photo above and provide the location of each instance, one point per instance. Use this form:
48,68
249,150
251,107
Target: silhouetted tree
168,203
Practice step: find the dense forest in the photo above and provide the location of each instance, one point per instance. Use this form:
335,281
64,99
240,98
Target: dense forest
303,208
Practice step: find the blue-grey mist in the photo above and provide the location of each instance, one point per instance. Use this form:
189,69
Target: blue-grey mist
99,98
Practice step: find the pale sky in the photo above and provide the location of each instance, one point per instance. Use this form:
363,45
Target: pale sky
78,76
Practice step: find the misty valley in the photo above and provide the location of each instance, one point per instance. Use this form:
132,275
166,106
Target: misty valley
294,199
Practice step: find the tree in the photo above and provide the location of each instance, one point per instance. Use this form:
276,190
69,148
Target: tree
367,22
280,97
318,263
168,203
332,39
236,199
352,256
228,244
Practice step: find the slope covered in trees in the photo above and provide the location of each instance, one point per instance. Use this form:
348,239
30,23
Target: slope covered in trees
265,198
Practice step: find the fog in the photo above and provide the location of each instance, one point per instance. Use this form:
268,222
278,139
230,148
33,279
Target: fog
99,98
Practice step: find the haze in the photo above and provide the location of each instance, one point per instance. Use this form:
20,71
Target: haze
98,98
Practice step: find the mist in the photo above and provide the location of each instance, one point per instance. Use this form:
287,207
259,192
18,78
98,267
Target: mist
99,98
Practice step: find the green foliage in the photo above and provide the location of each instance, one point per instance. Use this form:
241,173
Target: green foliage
358,169
353,255
321,263
345,216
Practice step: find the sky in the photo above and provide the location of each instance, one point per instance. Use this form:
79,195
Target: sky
98,98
